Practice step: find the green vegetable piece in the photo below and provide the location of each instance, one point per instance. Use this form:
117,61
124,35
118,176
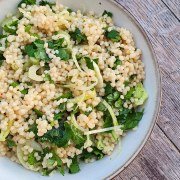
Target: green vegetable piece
28,28
96,153
77,136
14,84
60,136
58,116
78,36
89,63
118,103
31,159
64,54
62,107
44,3
10,143
24,91
113,35
27,2
101,107
38,112
9,29
69,10
67,95
56,44
129,93
132,120
140,94
37,50
108,89
48,78
109,14
74,167
118,62
1,59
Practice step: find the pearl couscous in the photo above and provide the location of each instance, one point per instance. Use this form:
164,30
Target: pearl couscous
70,86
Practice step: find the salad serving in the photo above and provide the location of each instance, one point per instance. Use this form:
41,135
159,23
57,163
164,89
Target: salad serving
71,86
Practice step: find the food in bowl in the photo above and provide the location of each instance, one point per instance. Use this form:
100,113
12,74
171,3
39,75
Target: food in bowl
71,85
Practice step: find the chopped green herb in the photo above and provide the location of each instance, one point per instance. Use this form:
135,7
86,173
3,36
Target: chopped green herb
10,143
118,103
38,112
14,84
24,91
27,2
96,153
132,120
44,3
67,95
129,93
58,116
56,44
96,60
28,28
74,167
109,14
31,159
108,89
113,35
89,63
48,78
69,10
1,59
37,50
100,107
118,62
64,54
78,36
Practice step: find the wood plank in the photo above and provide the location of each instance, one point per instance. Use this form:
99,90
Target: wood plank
174,5
170,112
159,160
161,27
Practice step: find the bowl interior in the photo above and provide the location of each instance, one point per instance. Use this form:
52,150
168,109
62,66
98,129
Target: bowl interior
133,141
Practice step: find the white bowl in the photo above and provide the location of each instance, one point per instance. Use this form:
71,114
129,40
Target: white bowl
133,142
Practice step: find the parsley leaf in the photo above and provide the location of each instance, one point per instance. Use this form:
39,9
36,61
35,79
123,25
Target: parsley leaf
14,84
44,3
113,35
64,54
37,50
96,153
1,59
24,91
31,159
48,78
107,13
27,2
10,143
78,36
129,93
74,167
56,44
132,120
89,63
38,112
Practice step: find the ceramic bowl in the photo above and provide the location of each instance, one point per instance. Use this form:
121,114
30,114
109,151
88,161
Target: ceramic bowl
133,142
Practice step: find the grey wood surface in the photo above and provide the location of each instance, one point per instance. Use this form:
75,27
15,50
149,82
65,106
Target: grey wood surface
160,158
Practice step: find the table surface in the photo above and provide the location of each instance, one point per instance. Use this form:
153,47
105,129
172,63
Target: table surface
160,157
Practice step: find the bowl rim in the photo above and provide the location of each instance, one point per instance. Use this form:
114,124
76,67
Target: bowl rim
159,91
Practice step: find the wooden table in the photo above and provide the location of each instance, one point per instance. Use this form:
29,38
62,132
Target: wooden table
160,158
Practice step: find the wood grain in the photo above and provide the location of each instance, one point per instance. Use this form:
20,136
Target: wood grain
160,158
174,6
